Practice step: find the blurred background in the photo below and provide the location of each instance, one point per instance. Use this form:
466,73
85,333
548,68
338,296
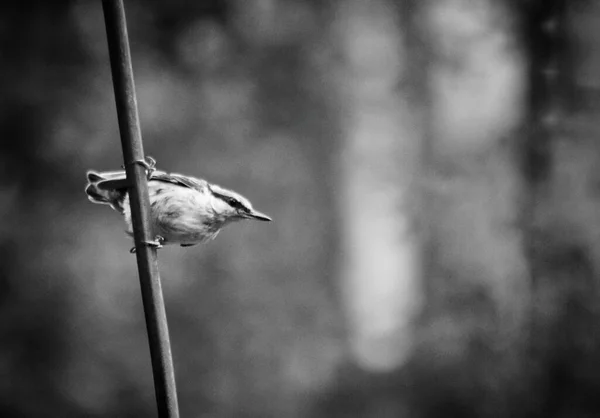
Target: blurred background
432,167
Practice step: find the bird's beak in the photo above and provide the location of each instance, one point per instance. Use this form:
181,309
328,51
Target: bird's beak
258,216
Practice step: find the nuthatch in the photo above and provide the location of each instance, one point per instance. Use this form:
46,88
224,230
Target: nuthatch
184,210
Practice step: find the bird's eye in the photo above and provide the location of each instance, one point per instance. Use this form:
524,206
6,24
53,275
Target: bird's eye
234,203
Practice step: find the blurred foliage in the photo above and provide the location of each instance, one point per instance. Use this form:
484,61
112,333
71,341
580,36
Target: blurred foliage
247,95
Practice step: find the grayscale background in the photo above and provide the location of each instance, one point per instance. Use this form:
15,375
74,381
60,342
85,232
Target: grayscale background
433,172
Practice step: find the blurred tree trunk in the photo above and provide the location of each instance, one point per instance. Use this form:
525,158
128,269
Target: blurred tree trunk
432,205
566,244
476,270
379,171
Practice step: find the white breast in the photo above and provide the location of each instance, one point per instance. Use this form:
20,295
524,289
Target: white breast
179,214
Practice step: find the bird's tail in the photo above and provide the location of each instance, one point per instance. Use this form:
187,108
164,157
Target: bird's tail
105,195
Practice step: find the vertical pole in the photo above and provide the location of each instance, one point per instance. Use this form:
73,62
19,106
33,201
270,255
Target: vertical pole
131,141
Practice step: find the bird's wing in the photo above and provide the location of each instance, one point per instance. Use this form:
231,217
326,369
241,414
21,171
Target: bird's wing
186,181
116,180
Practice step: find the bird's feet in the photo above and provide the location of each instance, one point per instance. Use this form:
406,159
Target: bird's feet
148,163
157,243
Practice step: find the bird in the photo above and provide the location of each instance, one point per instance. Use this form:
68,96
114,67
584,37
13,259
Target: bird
184,210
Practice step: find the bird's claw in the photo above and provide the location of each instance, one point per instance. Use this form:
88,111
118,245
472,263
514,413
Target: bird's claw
157,243
148,163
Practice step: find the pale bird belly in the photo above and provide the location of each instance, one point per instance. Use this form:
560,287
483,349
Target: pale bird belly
178,215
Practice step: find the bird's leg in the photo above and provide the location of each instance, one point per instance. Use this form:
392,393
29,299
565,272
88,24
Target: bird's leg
149,165
157,243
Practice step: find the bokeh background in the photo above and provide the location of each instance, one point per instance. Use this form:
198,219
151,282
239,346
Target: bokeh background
433,169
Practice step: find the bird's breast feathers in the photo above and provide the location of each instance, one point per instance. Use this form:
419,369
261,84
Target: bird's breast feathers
180,215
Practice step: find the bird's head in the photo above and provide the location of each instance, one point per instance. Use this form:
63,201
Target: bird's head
230,206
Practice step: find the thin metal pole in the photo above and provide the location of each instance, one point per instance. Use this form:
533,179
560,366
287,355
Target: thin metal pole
131,141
